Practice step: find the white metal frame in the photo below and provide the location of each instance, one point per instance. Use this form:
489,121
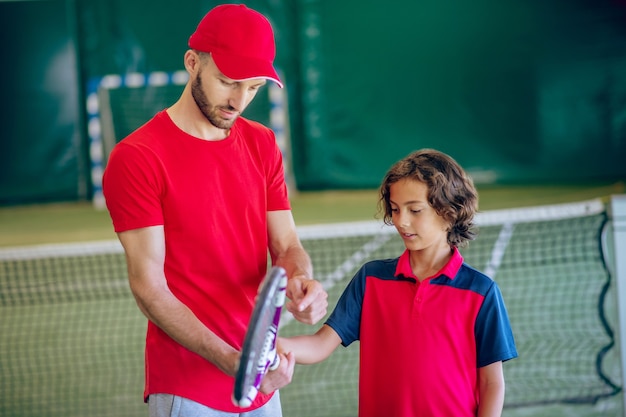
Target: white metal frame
617,212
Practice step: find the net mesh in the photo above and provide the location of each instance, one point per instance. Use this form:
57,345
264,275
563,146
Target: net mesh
72,337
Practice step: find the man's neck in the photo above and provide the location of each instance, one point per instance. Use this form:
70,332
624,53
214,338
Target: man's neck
188,118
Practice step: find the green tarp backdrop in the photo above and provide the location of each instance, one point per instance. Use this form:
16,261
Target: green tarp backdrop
517,91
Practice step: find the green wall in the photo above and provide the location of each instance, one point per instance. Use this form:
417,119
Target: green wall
517,91
40,136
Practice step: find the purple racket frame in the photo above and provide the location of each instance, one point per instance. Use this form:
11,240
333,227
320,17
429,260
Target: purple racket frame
258,354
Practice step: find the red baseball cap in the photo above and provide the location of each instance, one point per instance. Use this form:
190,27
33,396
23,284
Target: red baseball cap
240,41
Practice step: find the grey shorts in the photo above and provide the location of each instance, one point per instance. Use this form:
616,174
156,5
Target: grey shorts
168,405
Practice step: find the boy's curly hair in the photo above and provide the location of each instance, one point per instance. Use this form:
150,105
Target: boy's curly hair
451,191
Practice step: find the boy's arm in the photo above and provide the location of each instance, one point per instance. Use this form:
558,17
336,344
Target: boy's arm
491,390
314,348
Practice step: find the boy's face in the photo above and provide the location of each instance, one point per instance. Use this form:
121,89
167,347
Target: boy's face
417,222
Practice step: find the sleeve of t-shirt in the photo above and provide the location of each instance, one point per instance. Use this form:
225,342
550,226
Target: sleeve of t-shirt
346,317
277,195
494,337
132,186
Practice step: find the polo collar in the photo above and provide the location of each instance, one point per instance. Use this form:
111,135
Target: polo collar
450,269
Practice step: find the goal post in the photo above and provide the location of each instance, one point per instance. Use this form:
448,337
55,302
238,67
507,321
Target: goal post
104,114
117,104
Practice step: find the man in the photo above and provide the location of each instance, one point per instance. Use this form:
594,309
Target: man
197,197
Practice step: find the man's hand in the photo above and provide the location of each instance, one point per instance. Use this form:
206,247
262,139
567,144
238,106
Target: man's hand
281,376
308,301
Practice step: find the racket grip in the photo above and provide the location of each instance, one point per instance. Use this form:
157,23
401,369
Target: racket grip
275,362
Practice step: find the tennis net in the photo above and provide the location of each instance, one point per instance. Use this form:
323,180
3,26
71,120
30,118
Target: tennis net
72,337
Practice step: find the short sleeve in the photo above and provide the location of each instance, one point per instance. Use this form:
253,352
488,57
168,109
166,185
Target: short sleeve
132,186
494,336
346,317
277,195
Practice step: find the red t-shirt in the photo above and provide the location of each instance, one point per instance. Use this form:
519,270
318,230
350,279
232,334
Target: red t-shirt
212,198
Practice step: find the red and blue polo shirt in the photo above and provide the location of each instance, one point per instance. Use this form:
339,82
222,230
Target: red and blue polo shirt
421,343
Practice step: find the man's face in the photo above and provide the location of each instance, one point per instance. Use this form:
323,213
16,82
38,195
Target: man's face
220,98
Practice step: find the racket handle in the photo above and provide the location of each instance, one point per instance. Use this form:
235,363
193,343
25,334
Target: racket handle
275,362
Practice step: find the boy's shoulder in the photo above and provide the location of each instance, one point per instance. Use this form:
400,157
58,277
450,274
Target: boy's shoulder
382,268
470,278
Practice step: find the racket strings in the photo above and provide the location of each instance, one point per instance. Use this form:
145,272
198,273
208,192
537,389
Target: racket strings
269,349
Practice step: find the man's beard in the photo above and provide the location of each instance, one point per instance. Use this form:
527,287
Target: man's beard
209,111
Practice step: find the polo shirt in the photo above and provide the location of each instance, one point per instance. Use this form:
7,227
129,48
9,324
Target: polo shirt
421,343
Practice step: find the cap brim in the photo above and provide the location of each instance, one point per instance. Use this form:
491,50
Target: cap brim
240,68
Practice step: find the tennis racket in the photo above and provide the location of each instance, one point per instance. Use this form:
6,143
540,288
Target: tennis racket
258,354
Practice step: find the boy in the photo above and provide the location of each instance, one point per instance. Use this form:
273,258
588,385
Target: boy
433,331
